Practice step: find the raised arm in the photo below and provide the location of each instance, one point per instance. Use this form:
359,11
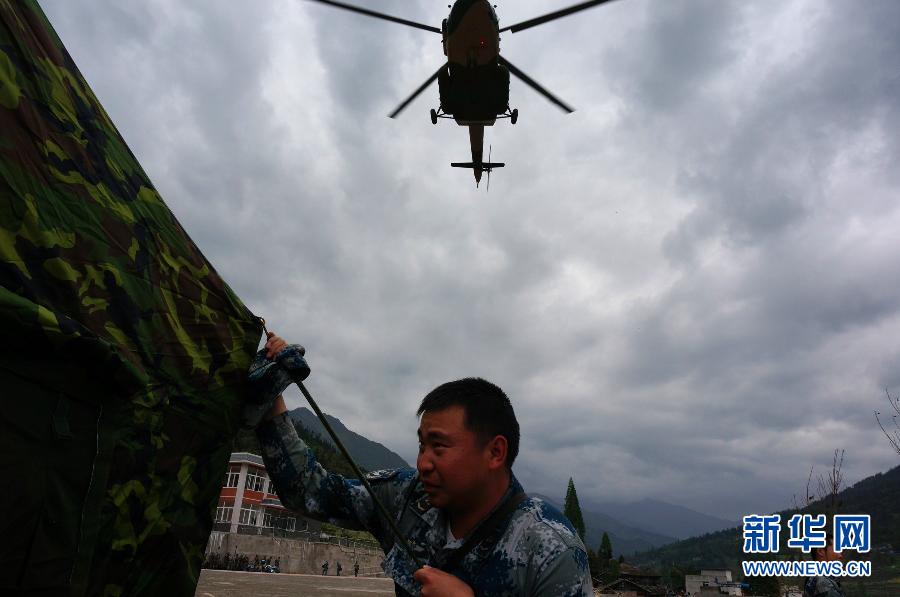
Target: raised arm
304,486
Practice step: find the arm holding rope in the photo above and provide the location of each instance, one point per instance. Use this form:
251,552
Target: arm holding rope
304,486
302,483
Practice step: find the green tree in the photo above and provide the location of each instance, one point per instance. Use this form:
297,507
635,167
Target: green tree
595,564
572,510
613,573
606,552
676,578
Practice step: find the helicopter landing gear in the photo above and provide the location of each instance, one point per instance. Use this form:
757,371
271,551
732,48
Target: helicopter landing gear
434,116
514,116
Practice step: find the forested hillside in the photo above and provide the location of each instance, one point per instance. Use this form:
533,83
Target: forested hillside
369,454
878,496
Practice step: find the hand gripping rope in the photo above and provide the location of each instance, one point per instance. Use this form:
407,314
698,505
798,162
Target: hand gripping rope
359,474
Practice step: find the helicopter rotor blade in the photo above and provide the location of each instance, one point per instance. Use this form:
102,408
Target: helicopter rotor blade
553,16
378,15
416,93
534,85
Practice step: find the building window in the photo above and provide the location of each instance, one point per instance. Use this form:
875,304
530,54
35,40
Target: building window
231,477
223,511
270,487
249,515
256,480
273,520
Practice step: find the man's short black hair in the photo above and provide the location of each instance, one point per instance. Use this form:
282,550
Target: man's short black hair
488,410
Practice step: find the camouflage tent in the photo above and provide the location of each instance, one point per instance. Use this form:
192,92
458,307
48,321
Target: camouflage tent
123,355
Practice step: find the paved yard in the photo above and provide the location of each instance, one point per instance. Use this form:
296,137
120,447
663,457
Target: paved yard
224,583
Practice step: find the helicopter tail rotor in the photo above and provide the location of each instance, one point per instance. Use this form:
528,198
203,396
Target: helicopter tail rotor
488,190
480,167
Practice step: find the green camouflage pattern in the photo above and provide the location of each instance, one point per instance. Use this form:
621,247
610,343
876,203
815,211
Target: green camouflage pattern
124,355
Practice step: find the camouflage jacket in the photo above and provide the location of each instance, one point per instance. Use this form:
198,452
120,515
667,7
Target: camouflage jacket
822,586
538,553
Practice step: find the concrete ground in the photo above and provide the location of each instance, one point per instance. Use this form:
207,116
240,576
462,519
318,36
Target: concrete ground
225,583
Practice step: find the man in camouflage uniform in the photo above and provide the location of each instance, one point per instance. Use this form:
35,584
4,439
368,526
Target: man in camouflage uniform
824,586
468,440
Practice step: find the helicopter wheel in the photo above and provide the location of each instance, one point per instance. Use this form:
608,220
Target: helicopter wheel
514,116
434,117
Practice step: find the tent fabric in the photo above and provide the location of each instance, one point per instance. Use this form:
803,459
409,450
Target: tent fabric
124,354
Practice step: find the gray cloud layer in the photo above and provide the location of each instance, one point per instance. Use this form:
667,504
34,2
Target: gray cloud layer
689,287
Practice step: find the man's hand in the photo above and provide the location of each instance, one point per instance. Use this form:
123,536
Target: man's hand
437,583
274,368
274,345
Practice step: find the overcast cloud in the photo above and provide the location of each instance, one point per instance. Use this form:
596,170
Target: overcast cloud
690,287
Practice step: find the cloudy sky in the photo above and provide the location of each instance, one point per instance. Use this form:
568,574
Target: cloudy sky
690,287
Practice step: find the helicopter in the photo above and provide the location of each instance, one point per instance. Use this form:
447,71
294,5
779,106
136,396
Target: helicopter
473,82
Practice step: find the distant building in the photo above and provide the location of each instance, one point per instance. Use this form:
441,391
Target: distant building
624,587
718,575
646,577
711,582
248,500
635,582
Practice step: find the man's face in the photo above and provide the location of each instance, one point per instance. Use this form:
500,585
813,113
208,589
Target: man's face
453,464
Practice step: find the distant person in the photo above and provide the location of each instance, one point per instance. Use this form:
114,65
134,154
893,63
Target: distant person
824,586
338,568
468,440
356,569
325,568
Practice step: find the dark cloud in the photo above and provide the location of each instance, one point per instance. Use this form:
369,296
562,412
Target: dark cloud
679,48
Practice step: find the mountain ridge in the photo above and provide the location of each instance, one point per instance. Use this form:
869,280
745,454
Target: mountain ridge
369,454
663,517
625,539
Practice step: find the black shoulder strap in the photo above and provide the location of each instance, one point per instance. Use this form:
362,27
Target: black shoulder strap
489,525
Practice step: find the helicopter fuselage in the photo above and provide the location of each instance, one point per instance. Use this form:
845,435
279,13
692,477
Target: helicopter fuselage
471,40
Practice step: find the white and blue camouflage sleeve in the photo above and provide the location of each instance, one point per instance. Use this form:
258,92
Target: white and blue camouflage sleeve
565,575
822,586
303,485
551,556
